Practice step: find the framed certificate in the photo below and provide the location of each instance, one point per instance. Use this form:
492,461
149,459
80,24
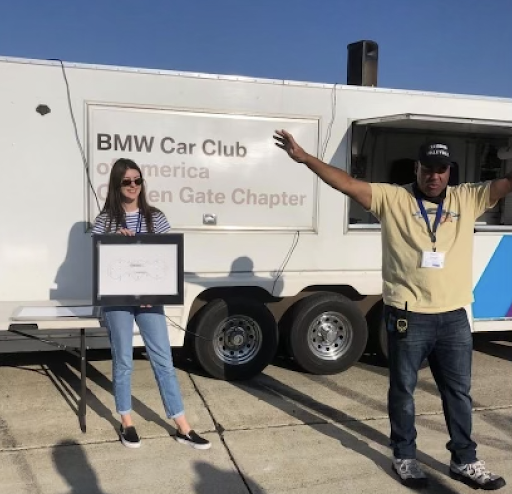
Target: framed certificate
144,269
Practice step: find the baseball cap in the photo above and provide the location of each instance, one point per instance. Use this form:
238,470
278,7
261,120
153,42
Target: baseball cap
435,154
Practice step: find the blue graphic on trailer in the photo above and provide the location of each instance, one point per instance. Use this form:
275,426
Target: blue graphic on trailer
493,292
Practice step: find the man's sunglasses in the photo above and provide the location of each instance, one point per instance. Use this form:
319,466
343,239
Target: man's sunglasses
128,181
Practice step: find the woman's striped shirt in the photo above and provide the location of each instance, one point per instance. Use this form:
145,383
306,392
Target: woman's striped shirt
134,222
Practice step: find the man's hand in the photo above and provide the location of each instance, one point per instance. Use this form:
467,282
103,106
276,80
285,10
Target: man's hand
500,187
286,141
338,179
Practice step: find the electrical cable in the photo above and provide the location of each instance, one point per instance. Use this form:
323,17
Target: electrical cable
187,331
75,128
296,237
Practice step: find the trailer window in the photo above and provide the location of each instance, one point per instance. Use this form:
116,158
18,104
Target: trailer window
385,150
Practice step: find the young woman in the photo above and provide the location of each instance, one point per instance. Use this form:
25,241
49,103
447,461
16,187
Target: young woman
126,212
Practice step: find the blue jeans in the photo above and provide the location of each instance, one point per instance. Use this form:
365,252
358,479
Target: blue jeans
446,340
153,329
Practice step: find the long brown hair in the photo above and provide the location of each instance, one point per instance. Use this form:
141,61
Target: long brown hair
113,207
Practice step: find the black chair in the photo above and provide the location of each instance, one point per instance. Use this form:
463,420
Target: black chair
454,174
402,172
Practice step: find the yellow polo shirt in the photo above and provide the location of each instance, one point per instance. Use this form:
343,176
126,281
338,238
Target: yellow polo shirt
405,236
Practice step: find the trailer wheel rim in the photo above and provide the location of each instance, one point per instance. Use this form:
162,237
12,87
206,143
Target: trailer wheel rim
237,340
330,335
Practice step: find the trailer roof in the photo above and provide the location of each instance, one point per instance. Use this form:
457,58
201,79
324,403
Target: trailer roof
440,123
139,70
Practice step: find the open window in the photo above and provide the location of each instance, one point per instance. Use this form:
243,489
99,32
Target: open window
384,149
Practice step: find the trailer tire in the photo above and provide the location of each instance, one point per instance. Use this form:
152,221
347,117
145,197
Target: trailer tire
234,339
377,338
327,333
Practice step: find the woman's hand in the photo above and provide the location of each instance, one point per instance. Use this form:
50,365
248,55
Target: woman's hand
126,232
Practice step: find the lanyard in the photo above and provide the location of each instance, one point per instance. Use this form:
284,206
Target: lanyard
431,231
139,223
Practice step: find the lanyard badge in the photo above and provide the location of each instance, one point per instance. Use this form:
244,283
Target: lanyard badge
139,223
431,230
432,259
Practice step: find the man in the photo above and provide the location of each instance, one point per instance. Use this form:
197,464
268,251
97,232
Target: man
427,238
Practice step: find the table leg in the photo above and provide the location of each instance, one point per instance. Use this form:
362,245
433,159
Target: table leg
83,382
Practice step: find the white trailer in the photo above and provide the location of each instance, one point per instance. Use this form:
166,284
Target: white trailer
271,253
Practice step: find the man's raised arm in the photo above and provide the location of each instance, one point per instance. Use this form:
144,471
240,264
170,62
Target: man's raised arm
500,188
356,189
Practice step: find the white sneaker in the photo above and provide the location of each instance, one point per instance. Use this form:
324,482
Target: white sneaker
410,473
476,475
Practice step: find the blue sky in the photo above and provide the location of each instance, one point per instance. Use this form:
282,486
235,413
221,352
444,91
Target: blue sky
461,46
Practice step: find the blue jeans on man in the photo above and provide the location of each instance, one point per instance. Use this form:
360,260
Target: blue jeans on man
446,340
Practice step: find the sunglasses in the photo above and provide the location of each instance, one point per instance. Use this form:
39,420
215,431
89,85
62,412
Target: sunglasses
128,181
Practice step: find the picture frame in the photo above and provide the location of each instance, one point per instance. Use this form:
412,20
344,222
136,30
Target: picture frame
145,269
